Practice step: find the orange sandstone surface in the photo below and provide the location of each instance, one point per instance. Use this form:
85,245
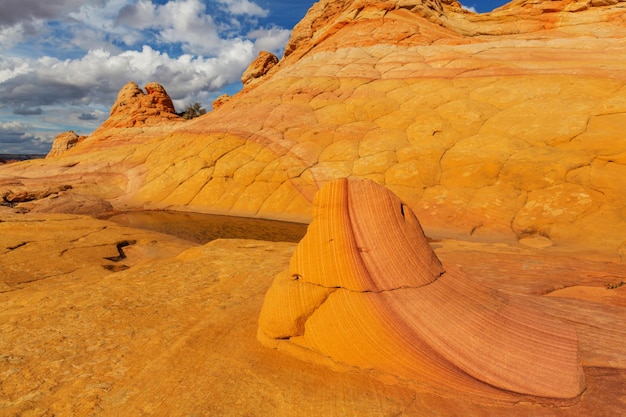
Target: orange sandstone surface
502,132
366,289
505,125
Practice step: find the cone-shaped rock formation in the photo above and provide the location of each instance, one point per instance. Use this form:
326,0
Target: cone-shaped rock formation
133,107
365,288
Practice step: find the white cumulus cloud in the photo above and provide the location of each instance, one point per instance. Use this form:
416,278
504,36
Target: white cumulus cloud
63,61
270,39
471,8
244,7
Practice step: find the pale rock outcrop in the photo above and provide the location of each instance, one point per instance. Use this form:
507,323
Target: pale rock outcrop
220,101
69,203
365,288
52,199
63,142
21,194
264,62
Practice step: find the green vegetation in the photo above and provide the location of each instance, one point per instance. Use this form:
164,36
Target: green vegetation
192,111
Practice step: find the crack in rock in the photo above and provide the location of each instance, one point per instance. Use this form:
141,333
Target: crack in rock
121,255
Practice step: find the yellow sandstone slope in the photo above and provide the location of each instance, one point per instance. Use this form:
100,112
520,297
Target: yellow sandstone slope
507,125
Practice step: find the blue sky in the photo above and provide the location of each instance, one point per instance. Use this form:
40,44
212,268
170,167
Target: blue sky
483,6
62,62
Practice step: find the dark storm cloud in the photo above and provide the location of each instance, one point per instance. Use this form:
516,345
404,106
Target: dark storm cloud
15,11
15,139
127,15
10,138
12,132
29,90
24,145
27,111
87,116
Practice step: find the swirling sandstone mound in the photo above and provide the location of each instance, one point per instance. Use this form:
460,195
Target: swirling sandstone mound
364,288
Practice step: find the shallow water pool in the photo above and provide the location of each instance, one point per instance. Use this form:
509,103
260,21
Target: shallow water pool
202,228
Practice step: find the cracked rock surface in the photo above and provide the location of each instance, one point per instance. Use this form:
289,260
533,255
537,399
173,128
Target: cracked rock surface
503,132
175,332
504,125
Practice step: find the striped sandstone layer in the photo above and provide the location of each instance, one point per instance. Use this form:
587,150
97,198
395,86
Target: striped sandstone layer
170,329
365,289
507,125
503,126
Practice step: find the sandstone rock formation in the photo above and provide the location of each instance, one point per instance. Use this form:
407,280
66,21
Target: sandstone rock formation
70,203
21,194
58,199
170,328
264,62
63,142
503,132
134,107
364,288
219,102
498,126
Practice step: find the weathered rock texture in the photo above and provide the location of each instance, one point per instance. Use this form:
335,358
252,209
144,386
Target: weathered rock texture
259,67
170,329
506,125
135,117
219,102
134,107
63,142
365,288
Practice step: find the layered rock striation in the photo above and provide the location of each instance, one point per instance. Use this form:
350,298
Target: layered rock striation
497,129
365,289
497,126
